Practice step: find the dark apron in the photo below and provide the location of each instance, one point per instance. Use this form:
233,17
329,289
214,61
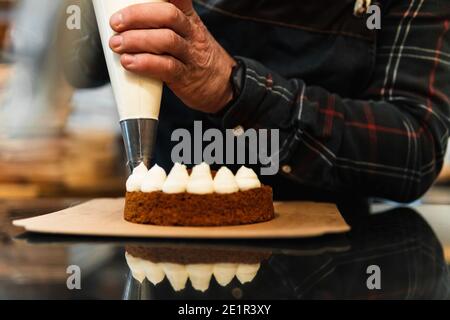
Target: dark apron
307,39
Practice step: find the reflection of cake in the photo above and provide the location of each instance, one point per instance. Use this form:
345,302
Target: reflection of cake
197,265
199,199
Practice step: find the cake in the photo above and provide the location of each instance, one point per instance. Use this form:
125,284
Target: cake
197,198
199,265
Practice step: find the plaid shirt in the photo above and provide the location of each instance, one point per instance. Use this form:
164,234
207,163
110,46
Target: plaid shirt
387,140
361,112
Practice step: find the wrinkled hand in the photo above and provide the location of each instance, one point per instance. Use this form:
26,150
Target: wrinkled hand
169,41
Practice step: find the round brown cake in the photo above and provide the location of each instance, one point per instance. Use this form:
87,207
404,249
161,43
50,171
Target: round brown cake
185,209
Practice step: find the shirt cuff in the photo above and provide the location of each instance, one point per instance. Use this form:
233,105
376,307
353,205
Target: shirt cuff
263,97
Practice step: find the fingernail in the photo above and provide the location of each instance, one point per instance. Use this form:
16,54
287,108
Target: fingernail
128,59
116,42
116,20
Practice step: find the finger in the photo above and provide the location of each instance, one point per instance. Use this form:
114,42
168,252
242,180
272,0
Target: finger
165,68
151,16
184,5
156,41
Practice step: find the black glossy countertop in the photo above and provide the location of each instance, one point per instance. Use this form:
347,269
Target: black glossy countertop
410,246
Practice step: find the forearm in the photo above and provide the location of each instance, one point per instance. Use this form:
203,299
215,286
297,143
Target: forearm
373,148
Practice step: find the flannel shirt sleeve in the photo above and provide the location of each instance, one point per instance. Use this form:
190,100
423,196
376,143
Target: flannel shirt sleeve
388,143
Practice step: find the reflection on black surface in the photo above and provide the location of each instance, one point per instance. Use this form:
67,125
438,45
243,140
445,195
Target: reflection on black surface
400,242
191,269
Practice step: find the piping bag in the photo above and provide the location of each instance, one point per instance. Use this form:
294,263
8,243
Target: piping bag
138,98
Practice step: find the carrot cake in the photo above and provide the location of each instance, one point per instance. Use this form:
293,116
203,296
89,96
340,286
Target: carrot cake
197,198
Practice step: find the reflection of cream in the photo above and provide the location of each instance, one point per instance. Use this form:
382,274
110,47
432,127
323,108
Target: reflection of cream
224,273
136,267
177,275
247,179
153,271
134,182
154,179
225,182
247,272
177,180
199,274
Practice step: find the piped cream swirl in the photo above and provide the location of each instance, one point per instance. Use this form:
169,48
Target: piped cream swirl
177,180
200,181
225,182
247,179
154,179
134,182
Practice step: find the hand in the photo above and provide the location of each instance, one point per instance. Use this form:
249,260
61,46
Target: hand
169,41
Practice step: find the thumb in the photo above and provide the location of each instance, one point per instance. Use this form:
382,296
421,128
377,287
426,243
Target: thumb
184,5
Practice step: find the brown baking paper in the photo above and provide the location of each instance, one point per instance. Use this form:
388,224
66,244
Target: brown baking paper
104,217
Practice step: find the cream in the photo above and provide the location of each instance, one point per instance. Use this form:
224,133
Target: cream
134,182
177,180
200,181
247,272
176,274
225,182
224,273
200,276
154,179
136,267
153,271
247,179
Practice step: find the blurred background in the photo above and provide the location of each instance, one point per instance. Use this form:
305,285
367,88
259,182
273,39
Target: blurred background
56,141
